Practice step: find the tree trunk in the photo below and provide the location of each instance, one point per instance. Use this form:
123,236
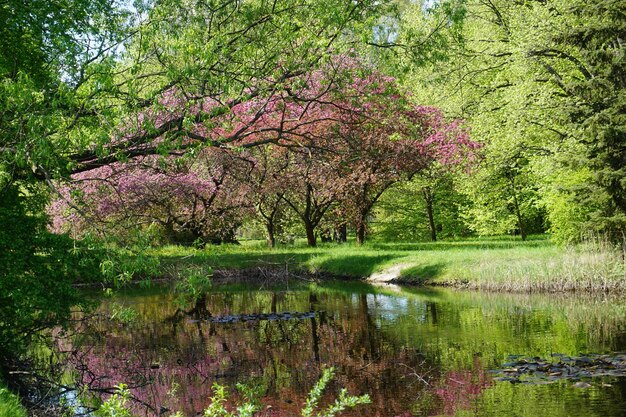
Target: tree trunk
341,233
428,198
518,213
271,238
310,234
361,227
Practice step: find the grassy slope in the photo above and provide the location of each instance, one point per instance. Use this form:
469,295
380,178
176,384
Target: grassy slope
502,264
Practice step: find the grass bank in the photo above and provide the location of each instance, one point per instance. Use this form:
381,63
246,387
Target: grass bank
495,264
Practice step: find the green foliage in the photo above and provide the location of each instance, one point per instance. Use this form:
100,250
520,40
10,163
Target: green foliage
123,259
121,265
502,198
220,400
542,85
37,270
126,315
117,404
569,211
50,50
596,101
192,283
402,214
10,405
342,403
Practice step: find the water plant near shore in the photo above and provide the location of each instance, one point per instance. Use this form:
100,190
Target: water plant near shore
117,405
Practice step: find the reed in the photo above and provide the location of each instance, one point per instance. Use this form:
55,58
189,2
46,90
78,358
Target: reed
591,267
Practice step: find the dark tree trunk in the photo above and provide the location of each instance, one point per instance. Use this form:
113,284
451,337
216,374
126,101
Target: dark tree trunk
170,234
361,229
341,233
428,198
271,238
310,234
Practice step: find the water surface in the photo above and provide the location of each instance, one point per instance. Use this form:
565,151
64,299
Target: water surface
415,352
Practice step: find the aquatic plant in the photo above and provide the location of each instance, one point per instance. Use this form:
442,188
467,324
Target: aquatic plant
117,404
342,403
123,314
193,283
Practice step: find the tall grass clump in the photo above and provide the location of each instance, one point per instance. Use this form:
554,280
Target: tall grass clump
10,405
595,265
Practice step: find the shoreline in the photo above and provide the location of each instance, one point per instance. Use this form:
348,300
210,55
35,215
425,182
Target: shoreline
276,276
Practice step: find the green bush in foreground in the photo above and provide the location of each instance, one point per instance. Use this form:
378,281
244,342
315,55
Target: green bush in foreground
116,405
342,403
37,270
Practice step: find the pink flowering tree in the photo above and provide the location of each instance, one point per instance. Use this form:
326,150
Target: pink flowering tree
146,188
393,148
196,200
337,139
349,144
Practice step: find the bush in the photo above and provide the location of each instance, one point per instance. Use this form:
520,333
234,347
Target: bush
37,270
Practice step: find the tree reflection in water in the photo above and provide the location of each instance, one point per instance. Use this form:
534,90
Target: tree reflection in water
416,353
170,359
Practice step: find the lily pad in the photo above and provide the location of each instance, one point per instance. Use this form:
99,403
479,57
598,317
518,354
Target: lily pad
538,371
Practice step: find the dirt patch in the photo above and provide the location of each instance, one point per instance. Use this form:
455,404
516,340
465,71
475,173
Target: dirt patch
389,275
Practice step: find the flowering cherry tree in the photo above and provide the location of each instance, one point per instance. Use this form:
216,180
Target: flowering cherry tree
190,201
348,144
332,138
380,153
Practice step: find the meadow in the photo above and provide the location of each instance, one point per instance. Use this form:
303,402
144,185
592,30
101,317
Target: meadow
494,264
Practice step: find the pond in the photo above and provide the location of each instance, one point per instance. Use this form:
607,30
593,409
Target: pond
416,352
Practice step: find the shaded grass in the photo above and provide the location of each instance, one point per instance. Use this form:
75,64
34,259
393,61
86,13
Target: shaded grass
492,264
340,260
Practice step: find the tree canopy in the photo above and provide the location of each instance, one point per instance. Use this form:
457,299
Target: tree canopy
541,84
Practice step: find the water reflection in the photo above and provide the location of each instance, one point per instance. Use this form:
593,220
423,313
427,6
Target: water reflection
415,352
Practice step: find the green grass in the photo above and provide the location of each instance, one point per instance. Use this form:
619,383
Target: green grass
10,405
499,264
